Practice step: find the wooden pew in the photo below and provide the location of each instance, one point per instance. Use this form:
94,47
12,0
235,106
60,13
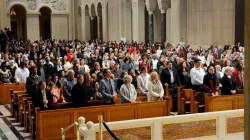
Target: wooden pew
16,103
21,99
186,97
224,102
31,118
5,97
25,112
49,122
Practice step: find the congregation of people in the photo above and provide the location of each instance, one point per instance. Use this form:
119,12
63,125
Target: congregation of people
60,71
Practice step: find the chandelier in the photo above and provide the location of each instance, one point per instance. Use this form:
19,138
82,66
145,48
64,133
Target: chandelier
12,12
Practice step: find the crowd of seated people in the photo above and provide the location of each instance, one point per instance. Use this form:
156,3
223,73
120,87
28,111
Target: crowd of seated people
60,71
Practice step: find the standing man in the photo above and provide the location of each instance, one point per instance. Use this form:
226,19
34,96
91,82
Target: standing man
108,88
32,81
197,75
22,73
169,76
68,85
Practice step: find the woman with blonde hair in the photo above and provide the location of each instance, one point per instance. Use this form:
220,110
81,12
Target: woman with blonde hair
155,88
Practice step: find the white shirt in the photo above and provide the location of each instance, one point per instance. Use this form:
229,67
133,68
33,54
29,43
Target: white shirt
21,75
158,53
172,76
197,76
142,82
154,63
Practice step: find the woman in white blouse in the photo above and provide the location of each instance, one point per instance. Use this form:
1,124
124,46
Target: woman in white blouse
155,88
106,62
127,91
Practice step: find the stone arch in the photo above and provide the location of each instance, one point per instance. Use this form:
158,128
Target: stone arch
92,10
17,3
45,5
45,22
17,13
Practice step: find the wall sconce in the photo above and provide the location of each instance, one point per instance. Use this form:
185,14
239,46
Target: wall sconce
12,12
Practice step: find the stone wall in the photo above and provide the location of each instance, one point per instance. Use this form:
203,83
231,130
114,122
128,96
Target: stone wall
210,21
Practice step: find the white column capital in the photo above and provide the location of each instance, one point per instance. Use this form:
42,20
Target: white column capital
151,12
163,11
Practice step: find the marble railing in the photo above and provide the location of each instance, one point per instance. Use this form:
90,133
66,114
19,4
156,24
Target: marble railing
196,126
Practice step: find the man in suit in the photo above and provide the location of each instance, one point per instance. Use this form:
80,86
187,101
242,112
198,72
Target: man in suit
108,88
169,76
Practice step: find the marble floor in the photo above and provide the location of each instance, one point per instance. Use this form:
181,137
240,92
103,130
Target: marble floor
10,130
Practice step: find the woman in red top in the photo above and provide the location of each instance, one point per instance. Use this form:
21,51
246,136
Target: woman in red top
71,55
144,63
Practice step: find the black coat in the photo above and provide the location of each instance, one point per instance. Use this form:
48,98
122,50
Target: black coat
37,99
184,79
79,95
166,77
211,82
228,84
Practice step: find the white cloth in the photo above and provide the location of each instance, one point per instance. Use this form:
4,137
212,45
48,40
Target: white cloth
21,75
158,53
197,76
172,77
154,63
155,91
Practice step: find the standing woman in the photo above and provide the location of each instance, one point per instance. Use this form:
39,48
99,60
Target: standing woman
42,97
5,74
228,82
88,86
78,94
210,80
127,91
58,86
155,88
98,95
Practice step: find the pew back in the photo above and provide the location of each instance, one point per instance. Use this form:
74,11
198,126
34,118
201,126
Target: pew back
225,102
5,91
49,122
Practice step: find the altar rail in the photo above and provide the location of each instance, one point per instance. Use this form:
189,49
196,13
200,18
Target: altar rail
193,126
50,122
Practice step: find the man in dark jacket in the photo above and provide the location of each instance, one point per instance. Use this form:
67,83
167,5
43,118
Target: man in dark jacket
169,76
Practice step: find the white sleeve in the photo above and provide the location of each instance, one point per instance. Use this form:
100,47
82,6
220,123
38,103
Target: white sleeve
17,75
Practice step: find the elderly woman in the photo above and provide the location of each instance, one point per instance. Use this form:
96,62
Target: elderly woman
127,91
228,82
155,88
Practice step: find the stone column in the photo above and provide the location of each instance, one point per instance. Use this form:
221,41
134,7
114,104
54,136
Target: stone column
247,72
99,27
151,27
104,24
138,10
3,14
175,21
33,32
163,25
92,28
